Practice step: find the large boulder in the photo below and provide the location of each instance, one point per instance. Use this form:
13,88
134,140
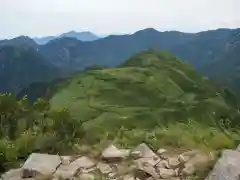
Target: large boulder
227,167
40,164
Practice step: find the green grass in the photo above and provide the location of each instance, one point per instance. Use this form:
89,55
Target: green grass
149,98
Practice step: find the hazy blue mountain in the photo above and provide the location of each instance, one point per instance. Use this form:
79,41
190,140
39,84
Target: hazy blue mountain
20,41
82,36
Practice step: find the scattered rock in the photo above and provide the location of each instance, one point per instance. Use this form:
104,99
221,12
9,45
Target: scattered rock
166,173
69,171
227,167
173,162
40,164
86,176
104,168
161,151
114,154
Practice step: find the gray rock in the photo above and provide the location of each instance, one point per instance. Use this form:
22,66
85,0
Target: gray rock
227,167
68,171
40,164
112,153
104,168
161,151
145,151
166,173
84,162
14,174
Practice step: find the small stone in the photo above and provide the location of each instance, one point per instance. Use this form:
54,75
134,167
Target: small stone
66,160
166,173
112,153
104,168
161,151
85,176
146,152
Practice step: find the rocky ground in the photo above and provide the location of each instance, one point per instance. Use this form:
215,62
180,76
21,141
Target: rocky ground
125,164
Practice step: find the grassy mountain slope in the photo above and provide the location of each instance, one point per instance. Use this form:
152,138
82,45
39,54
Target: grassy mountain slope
21,66
149,91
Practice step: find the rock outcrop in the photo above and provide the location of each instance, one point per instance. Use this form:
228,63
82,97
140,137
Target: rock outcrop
227,167
142,163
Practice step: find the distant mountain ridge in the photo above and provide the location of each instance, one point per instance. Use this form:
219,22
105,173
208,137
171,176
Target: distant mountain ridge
82,36
22,66
204,50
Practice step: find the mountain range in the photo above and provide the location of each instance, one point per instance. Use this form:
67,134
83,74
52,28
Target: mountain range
214,53
82,36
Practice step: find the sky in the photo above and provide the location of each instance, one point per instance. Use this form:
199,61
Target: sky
36,18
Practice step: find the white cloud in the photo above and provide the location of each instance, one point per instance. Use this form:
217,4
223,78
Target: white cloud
47,17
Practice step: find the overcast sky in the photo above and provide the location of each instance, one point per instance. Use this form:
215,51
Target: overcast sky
52,17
